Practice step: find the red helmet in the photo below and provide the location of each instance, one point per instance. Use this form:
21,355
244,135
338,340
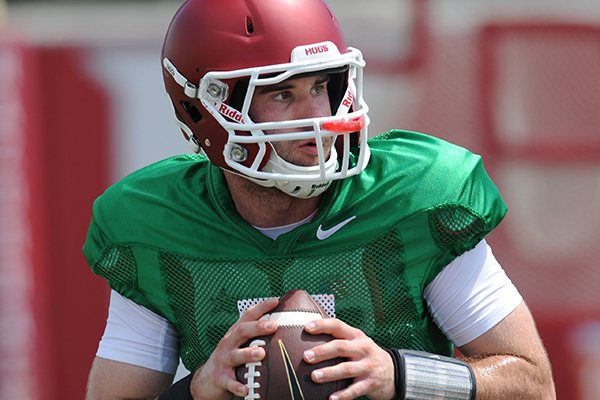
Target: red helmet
216,52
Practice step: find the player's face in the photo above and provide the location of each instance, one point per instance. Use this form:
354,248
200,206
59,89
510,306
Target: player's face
297,98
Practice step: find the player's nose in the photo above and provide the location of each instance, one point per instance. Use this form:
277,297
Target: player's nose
313,107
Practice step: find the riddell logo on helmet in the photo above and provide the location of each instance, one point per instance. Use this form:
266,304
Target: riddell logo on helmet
319,185
231,113
311,51
347,102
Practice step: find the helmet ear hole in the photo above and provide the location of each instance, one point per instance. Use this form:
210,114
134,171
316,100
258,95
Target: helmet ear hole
249,26
191,111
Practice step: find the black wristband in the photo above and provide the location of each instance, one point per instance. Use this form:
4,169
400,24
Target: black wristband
180,390
400,387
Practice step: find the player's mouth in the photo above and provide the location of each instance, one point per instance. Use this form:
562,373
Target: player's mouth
310,147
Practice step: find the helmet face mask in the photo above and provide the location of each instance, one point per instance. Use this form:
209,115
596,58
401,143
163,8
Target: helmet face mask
214,111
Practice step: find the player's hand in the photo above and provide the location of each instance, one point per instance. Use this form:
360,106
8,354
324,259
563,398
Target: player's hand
216,380
369,366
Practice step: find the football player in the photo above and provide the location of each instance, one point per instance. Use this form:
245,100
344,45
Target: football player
289,191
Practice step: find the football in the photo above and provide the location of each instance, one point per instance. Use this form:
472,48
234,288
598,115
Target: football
283,374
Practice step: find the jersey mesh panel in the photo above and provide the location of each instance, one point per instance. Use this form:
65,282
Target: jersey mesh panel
118,265
368,283
457,228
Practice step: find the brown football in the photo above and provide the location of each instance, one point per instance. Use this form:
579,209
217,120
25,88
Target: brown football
283,374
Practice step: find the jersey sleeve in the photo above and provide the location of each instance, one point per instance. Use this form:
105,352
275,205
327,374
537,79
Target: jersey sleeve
95,242
108,256
476,208
444,182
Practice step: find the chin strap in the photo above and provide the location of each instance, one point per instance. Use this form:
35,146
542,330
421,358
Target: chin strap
422,376
299,189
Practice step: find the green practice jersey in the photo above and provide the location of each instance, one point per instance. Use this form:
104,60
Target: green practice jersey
169,238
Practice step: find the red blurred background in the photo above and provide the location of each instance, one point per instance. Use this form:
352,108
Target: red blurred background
81,105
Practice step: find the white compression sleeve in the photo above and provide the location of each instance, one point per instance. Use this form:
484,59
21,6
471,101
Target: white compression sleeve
136,335
471,295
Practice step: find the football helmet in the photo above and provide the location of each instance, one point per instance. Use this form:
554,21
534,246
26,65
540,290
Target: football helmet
217,52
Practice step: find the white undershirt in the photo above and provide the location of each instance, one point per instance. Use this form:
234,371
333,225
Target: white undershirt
466,299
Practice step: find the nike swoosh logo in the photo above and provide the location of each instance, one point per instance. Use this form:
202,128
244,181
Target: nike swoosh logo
323,234
293,383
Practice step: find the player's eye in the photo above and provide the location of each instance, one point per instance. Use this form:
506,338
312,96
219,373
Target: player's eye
320,88
282,96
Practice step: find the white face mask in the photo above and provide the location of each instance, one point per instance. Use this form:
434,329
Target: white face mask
295,180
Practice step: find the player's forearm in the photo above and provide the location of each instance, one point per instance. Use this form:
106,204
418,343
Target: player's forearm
512,377
114,380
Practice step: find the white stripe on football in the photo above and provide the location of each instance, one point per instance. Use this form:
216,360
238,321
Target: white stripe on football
292,318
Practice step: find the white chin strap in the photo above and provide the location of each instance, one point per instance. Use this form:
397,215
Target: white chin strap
299,189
